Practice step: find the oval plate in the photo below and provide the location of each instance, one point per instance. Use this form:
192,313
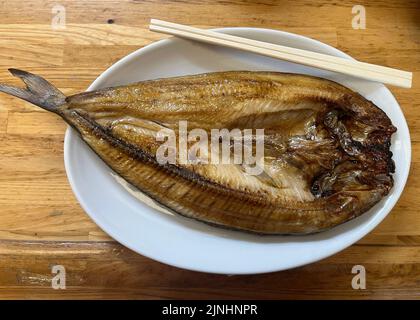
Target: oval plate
189,244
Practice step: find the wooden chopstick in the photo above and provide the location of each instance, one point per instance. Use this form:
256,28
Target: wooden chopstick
265,45
313,59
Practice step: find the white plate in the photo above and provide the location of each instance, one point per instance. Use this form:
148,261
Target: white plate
192,245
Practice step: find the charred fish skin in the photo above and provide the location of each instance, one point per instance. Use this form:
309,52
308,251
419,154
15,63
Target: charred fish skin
327,148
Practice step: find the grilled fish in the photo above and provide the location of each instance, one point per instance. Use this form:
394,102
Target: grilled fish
327,155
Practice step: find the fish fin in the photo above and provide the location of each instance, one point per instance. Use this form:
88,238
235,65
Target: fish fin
38,91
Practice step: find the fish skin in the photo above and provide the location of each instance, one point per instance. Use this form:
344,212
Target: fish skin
327,148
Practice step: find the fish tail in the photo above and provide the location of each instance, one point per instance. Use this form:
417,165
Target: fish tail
38,91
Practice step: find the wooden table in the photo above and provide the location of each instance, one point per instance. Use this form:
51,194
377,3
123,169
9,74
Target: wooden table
42,224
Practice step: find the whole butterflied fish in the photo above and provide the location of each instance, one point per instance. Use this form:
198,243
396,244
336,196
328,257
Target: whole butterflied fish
326,149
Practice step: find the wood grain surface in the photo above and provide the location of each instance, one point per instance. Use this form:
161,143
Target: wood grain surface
42,224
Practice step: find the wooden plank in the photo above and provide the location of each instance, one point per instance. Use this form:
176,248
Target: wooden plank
25,54
266,13
37,122
115,34
3,122
392,272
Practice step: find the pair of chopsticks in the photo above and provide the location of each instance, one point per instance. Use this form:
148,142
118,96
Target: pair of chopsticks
323,61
